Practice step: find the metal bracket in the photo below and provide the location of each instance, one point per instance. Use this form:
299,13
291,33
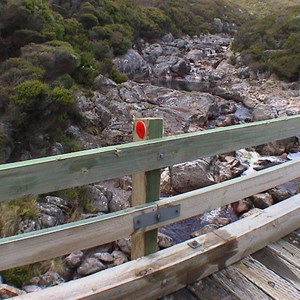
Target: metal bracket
155,217
194,244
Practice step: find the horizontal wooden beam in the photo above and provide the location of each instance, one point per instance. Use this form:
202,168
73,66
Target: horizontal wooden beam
60,240
74,169
171,269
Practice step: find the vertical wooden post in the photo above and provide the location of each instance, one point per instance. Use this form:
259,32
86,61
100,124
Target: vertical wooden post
145,187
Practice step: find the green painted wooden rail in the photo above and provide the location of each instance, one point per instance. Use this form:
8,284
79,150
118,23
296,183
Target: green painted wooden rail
59,172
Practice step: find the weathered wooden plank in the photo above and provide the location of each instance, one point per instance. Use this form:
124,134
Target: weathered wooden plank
145,188
171,269
294,238
232,280
208,289
180,295
279,266
268,281
40,245
287,251
69,170
60,240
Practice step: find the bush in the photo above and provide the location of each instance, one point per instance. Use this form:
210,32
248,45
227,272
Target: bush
56,57
27,93
273,43
62,96
88,20
88,69
118,76
16,70
12,212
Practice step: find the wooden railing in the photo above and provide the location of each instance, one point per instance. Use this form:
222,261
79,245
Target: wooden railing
54,173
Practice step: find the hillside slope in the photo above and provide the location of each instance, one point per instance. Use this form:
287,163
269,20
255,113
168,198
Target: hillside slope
272,43
264,7
50,50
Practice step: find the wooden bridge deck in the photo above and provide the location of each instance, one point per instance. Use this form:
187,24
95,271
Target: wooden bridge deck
271,273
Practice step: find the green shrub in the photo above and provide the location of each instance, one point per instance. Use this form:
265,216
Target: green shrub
12,212
17,70
88,20
17,276
88,69
30,91
65,81
118,76
70,144
76,35
272,43
20,276
62,96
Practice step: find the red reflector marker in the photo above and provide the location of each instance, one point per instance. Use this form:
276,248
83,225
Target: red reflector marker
140,129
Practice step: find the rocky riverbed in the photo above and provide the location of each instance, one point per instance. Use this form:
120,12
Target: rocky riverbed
194,83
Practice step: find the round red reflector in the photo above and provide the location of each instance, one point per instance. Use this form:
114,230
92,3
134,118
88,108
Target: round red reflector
140,129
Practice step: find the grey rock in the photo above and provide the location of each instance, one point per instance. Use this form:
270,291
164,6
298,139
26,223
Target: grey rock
105,257
74,132
152,52
119,257
241,206
53,211
279,194
164,241
100,249
50,278
262,200
31,288
131,92
57,201
90,265
57,149
47,221
262,112
132,64
194,55
168,38
28,226
99,198
185,177
104,82
74,259
116,204
180,43
125,245
181,67
276,148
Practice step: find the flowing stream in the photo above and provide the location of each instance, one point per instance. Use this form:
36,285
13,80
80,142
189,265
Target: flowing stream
182,230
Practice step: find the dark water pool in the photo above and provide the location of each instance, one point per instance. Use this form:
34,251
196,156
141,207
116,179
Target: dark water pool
182,230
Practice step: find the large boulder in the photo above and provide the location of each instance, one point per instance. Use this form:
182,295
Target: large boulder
188,176
152,52
132,64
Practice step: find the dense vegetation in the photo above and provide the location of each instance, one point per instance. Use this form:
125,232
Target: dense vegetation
263,7
272,43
